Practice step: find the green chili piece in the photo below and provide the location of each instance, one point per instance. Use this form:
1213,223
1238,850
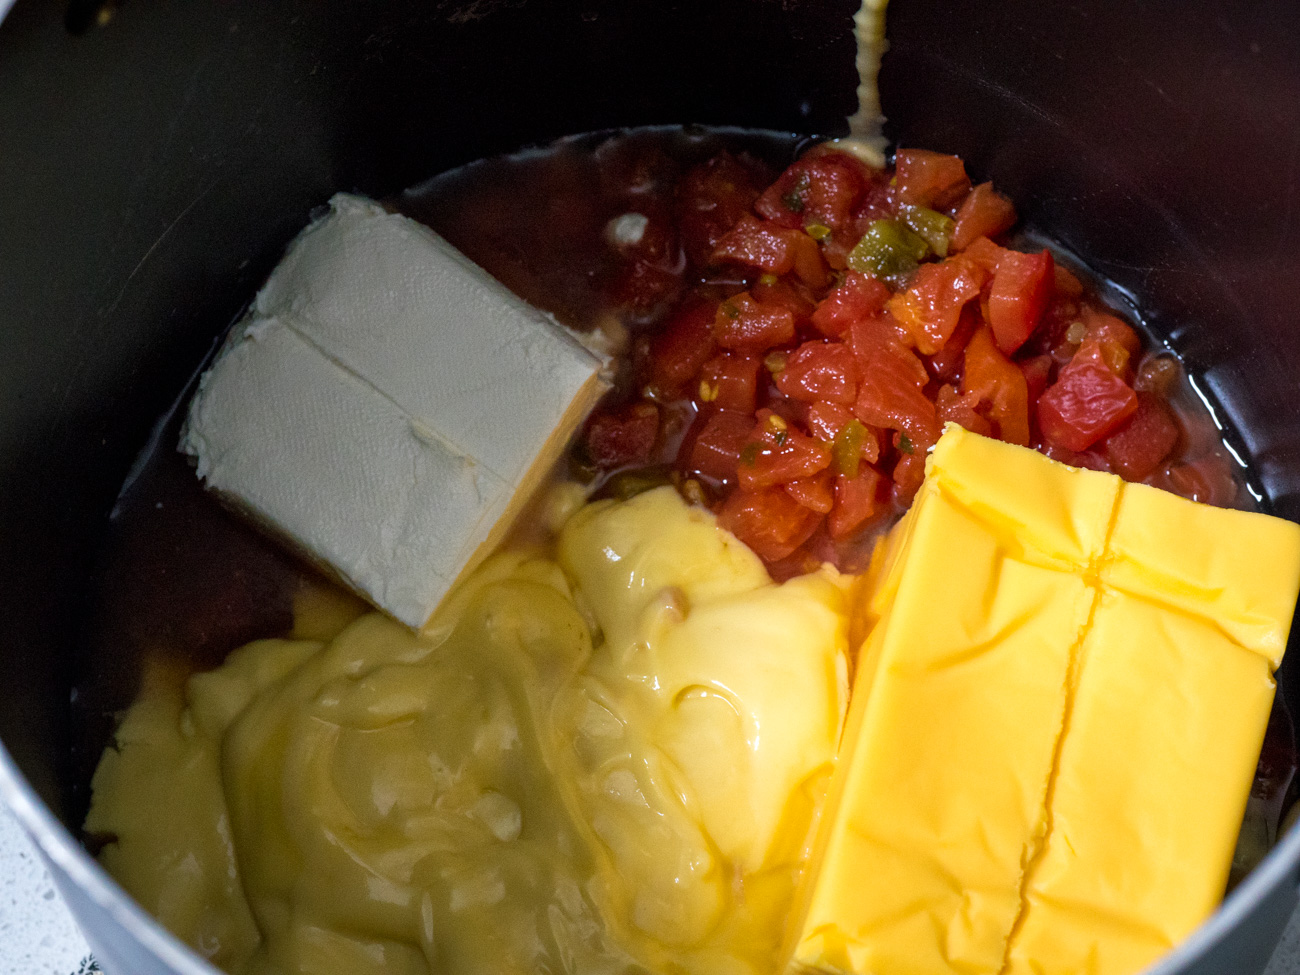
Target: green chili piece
846,450
905,443
888,248
932,225
749,454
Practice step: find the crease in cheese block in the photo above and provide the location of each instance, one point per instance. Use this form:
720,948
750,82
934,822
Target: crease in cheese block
1054,724
387,406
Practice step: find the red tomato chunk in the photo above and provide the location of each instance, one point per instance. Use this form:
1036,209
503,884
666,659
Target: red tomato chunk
623,438
778,453
820,371
743,323
730,382
931,306
930,179
1086,403
685,344
1137,448
1022,286
769,521
859,298
715,452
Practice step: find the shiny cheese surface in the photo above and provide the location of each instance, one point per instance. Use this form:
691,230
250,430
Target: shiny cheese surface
1055,722
605,761
386,406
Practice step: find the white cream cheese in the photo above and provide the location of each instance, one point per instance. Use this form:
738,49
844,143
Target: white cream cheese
387,405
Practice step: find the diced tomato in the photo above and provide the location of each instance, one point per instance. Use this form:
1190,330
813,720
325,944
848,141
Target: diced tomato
1000,386
984,213
883,332
887,399
1086,403
985,252
1109,341
822,188
786,200
782,294
909,472
809,266
715,451
757,243
774,249
820,371
945,365
1038,371
711,197
890,384
769,521
814,493
837,247
778,452
1061,314
729,381
801,561
1022,287
1138,447
685,344
954,407
931,306
625,436
825,420
815,469
855,501
743,323
930,179
860,297
879,202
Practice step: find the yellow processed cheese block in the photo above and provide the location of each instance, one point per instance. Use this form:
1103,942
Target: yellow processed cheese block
1054,724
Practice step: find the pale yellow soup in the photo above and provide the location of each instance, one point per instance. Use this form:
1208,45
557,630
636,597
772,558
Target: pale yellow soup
602,755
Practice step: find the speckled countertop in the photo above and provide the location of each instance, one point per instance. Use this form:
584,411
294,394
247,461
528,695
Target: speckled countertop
39,937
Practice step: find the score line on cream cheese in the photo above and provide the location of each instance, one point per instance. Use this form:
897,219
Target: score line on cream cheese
387,406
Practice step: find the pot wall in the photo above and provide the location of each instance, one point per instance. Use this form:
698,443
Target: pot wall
154,168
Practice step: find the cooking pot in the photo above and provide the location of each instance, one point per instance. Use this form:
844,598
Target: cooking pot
156,156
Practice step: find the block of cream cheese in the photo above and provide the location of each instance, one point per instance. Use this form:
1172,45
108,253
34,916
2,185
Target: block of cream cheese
1054,726
387,406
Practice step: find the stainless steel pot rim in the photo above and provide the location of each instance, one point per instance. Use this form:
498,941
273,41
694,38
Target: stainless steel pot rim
58,845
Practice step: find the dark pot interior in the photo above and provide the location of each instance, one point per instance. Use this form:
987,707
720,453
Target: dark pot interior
155,166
